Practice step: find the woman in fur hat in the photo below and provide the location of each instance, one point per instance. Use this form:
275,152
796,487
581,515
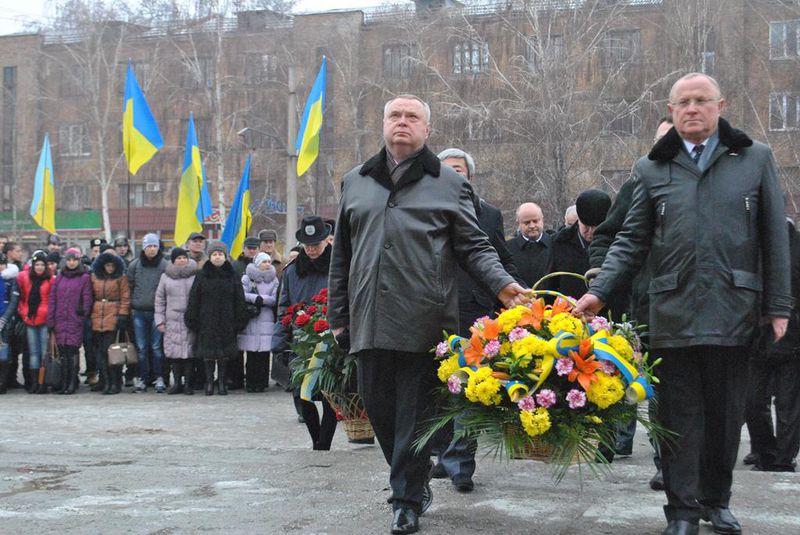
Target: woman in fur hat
70,305
215,314
172,296
112,306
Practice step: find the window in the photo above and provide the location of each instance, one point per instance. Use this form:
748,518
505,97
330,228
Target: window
620,119
545,52
620,47
470,57
260,68
205,136
74,197
142,71
198,74
783,39
397,61
784,110
142,195
73,140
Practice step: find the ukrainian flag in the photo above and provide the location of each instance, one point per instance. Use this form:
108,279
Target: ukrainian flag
194,201
43,205
307,144
238,223
140,136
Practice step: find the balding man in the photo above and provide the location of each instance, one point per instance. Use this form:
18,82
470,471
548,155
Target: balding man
531,248
708,209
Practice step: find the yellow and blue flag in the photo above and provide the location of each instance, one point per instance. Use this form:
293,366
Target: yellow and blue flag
307,144
43,205
194,201
238,223
141,138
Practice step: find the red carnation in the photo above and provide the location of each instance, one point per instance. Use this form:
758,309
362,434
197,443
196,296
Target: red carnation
311,310
302,320
286,320
320,326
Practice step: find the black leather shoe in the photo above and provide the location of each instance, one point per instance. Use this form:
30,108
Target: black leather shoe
463,484
722,519
405,521
681,527
438,472
750,458
657,481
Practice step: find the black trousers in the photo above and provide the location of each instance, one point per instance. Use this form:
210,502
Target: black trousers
775,448
321,433
234,371
257,370
702,397
396,389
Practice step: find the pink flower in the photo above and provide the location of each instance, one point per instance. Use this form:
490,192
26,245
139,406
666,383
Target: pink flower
608,367
564,366
492,348
454,384
517,333
479,322
526,404
441,349
576,399
599,323
546,398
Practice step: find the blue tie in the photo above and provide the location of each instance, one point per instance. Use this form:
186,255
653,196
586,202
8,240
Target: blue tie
697,152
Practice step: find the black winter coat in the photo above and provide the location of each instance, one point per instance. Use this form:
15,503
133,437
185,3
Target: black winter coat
216,312
533,260
569,255
789,345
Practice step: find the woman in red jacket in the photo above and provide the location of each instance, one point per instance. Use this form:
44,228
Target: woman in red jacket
34,297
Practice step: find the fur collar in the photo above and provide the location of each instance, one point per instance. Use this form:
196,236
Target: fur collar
181,272
305,266
225,271
256,275
99,266
670,145
424,163
10,272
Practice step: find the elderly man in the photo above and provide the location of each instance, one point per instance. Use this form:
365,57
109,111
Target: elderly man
714,271
457,460
267,240
531,248
196,247
570,215
404,223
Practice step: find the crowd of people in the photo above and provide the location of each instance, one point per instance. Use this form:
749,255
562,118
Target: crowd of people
414,251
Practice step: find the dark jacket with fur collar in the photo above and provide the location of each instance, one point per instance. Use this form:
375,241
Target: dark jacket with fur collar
719,250
396,252
215,312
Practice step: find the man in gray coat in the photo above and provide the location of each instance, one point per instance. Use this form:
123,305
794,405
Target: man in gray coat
405,224
708,207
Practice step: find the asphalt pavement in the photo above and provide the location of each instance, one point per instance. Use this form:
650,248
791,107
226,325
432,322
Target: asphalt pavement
157,464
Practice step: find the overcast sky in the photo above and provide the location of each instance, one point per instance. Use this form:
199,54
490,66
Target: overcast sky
15,13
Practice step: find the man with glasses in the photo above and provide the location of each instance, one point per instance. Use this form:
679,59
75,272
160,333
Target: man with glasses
708,209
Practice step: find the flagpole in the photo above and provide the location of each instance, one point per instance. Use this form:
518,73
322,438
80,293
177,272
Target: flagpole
128,235
202,208
291,164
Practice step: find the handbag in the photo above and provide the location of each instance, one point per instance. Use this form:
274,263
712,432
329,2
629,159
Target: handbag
52,365
251,310
120,353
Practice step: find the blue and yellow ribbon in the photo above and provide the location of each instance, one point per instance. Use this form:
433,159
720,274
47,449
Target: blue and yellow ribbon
638,387
310,380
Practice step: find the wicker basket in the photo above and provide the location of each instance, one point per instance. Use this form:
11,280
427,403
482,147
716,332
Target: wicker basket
353,416
533,448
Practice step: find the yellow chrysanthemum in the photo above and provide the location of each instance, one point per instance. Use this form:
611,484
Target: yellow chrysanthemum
536,422
621,346
565,322
606,391
508,319
505,348
530,346
483,388
447,368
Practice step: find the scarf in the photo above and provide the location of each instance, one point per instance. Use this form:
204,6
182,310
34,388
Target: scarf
320,266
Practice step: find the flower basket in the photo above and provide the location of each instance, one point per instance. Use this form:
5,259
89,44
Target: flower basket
536,382
350,411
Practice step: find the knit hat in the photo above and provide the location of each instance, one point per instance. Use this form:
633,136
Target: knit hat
261,257
176,252
592,206
72,252
267,235
217,246
39,256
150,239
53,257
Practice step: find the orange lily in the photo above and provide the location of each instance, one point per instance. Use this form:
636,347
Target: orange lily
503,376
534,315
561,305
491,328
474,353
584,368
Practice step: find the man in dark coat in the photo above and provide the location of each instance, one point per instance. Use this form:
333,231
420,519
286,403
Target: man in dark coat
531,247
777,364
708,208
405,222
235,365
457,459
571,244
